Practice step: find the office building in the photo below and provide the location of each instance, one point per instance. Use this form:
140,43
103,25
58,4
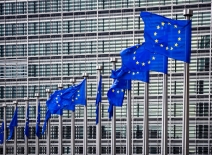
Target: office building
47,42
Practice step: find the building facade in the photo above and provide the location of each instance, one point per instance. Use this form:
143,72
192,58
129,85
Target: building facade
47,42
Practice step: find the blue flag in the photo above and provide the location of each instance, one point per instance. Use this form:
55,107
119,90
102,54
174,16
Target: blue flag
116,93
138,59
75,95
127,74
37,130
54,103
26,129
168,37
98,99
2,133
48,116
13,123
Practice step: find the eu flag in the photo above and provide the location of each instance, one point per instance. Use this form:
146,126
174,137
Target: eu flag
54,103
13,123
75,95
26,129
127,74
2,133
98,99
48,116
139,59
168,37
116,93
37,130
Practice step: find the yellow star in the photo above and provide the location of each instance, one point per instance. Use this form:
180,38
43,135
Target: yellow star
162,23
158,27
155,33
179,39
137,72
161,45
137,46
179,31
137,62
129,72
167,48
133,73
175,26
156,41
134,52
117,91
149,62
176,44
78,91
72,100
134,58
78,95
113,90
153,58
171,48
76,98
169,23
122,90
143,64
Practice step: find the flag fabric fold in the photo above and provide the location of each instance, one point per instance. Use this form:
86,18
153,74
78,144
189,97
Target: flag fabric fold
37,130
116,93
26,129
13,123
166,36
98,99
2,133
48,116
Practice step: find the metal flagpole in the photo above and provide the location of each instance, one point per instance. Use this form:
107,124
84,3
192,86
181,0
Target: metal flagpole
113,141
5,129
48,91
72,126
26,138
129,140
60,133
37,138
85,75
146,120
185,148
164,117
98,126
15,132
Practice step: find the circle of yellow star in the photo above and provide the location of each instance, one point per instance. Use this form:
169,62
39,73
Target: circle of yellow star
137,62
179,39
156,41
158,27
176,45
155,33
162,23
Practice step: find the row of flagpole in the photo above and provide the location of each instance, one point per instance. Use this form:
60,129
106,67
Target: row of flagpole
185,131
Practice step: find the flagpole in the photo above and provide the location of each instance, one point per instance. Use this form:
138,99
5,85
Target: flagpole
164,117
5,129
113,141
37,138
15,131
85,144
73,80
146,120
48,91
185,148
129,140
26,138
60,146
98,126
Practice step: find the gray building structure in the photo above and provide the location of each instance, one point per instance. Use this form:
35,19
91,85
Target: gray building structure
47,42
